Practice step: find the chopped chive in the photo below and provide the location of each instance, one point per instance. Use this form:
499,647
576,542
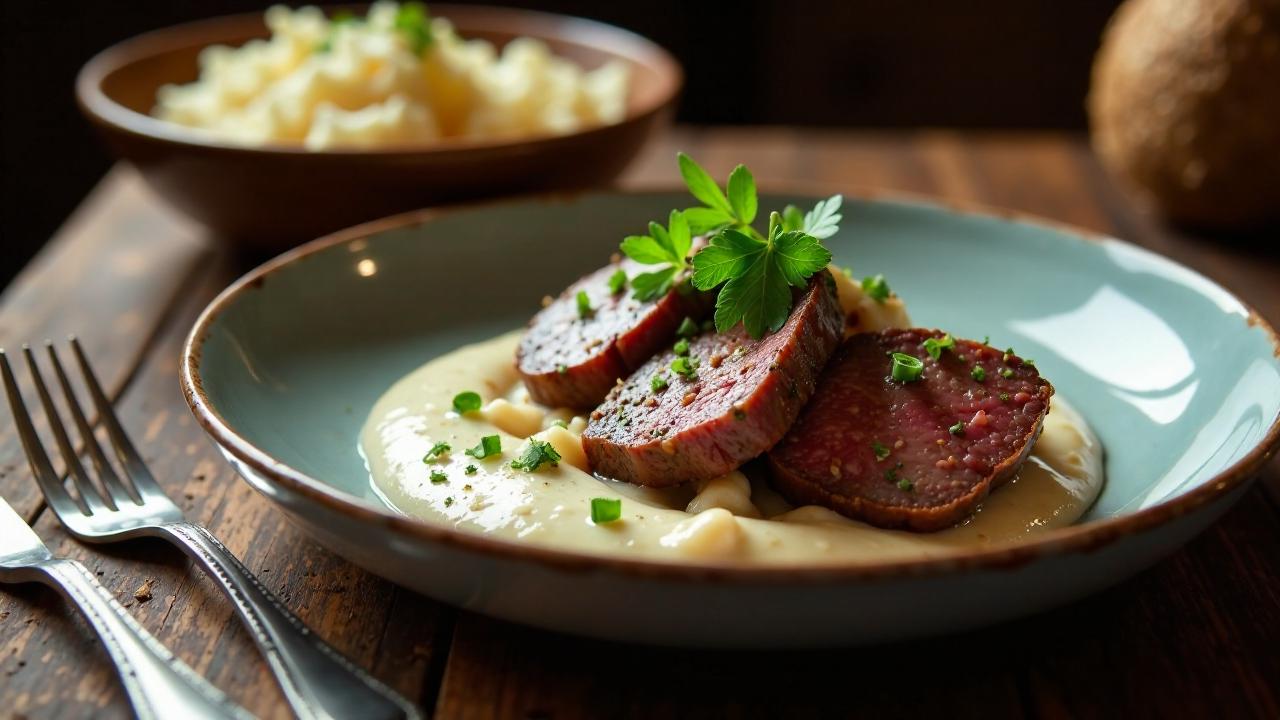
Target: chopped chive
584,305
1004,397
466,402
562,369
906,368
657,383
876,288
605,510
935,346
448,501
681,347
1006,373
1028,361
957,429
685,368
489,445
688,328
440,448
617,281
906,485
438,477
881,451
471,470
986,339
536,454
977,373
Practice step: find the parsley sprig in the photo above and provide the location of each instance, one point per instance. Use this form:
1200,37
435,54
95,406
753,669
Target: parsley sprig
753,271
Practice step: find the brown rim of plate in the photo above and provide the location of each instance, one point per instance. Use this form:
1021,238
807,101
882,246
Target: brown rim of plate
95,103
1087,537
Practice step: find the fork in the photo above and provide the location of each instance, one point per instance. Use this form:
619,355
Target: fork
318,682
157,683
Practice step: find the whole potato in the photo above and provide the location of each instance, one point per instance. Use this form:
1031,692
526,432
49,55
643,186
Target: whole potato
1185,106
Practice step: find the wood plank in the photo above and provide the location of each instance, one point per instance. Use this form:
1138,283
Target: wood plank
350,608
109,276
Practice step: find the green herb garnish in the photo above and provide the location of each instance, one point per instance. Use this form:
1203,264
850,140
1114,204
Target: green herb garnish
681,347
978,373
876,288
617,281
536,454
958,428
881,451
935,346
448,502
906,368
584,305
667,247
688,328
657,383
1006,372
466,402
489,445
1004,397
413,20
906,485
562,369
685,368
440,448
438,477
470,470
605,510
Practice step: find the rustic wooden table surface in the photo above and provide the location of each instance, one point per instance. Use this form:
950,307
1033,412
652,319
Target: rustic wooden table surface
1196,635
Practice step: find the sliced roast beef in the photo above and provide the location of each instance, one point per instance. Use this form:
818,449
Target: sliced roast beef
573,353
918,454
698,413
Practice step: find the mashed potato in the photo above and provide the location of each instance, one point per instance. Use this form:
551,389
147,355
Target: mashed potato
366,82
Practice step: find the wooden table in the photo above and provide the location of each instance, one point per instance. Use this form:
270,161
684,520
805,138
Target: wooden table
1197,635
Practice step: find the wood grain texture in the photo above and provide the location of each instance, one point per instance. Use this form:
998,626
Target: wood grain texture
1194,635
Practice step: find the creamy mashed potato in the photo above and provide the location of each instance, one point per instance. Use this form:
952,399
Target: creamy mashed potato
365,83
733,519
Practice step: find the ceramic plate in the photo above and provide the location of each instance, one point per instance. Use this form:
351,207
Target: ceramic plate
1179,379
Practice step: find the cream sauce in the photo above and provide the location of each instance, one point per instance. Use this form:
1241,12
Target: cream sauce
729,520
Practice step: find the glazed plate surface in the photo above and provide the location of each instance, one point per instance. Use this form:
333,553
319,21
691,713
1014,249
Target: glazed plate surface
1180,381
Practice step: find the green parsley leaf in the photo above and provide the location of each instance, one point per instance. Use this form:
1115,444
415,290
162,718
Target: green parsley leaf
617,281
880,450
584,305
704,219
657,383
799,256
605,510
653,285
876,288
742,194
489,445
824,219
466,402
792,218
440,448
906,368
935,346
644,249
438,477
688,328
414,21
727,256
536,454
679,239
759,298
700,184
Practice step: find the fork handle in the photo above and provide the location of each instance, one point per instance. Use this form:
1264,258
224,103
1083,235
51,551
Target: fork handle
157,683
317,680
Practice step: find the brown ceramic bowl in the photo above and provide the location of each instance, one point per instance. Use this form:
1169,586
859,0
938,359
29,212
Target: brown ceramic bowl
277,195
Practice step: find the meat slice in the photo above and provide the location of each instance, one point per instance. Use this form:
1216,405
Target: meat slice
740,400
918,455
571,359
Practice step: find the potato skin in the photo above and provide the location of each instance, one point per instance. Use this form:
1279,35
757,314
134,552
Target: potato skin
1184,107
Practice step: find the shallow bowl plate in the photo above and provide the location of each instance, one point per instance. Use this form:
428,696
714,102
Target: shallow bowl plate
1179,378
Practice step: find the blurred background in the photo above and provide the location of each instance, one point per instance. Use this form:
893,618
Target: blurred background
1010,65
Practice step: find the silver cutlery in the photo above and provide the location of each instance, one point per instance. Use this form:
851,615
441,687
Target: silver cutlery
318,682
158,684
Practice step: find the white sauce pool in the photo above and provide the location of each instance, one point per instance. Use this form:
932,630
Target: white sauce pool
727,521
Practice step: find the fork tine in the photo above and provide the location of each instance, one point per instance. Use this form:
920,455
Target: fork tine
134,467
55,493
118,490
92,497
